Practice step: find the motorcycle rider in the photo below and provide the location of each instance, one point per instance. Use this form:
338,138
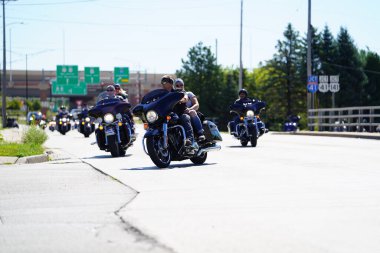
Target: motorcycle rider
113,93
192,106
244,99
180,108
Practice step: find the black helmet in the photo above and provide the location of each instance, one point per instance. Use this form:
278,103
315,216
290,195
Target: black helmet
243,91
167,79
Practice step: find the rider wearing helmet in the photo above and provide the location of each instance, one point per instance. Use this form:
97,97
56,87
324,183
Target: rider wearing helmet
180,108
243,98
192,107
120,92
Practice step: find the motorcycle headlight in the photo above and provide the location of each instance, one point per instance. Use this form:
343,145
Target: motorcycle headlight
151,116
87,119
64,119
108,118
250,114
119,116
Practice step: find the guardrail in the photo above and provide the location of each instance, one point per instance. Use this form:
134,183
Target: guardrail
351,119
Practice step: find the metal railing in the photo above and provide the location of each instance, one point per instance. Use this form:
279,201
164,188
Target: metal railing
352,119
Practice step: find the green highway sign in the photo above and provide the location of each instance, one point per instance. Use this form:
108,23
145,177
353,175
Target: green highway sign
121,75
67,74
77,89
92,75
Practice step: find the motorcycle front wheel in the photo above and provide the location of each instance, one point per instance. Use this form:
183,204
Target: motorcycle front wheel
113,145
160,156
199,159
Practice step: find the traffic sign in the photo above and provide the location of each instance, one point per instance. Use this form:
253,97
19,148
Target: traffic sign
312,84
324,87
92,75
334,87
78,89
121,75
67,74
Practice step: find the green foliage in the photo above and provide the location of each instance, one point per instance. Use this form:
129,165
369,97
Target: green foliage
19,149
14,104
350,71
281,81
36,105
34,136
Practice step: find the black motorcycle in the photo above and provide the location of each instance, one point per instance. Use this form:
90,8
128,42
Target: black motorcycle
165,137
63,124
114,133
86,125
249,127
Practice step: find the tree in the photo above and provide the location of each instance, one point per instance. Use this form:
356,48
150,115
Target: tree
203,77
372,87
352,77
285,73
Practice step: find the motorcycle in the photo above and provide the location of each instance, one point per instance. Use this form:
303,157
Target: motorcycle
164,139
249,126
64,124
291,125
86,126
114,133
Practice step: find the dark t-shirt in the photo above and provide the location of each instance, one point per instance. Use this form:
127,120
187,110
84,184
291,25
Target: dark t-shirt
179,108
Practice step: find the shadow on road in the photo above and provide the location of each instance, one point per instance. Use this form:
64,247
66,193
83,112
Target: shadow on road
171,167
105,156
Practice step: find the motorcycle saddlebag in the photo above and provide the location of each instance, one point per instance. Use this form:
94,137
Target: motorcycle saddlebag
211,131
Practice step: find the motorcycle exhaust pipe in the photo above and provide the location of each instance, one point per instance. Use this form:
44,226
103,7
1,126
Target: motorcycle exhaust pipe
208,149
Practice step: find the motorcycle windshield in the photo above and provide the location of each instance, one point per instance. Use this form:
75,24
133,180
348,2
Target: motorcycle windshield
242,108
108,104
161,101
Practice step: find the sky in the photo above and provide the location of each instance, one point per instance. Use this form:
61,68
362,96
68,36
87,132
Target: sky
155,35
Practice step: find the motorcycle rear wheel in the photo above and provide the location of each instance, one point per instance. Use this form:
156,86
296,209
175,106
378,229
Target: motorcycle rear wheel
160,157
243,143
199,159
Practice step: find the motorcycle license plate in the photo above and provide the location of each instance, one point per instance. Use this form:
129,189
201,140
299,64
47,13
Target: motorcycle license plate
110,131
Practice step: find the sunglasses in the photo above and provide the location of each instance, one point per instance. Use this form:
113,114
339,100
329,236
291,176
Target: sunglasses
109,90
117,88
179,85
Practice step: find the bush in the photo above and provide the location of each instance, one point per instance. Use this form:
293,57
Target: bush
34,136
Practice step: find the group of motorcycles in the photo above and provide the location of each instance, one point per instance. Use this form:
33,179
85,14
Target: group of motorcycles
165,138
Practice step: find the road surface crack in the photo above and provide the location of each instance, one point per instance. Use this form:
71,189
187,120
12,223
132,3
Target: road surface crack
128,227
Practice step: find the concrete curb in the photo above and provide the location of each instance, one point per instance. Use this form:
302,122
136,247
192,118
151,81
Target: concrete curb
373,136
33,159
50,155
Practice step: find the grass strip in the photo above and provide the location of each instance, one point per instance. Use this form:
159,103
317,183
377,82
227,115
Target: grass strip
20,149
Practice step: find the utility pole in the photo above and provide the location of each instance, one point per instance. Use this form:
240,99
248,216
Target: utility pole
4,76
26,87
310,96
241,44
216,51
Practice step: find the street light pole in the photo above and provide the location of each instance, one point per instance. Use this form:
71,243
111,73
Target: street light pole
26,87
4,76
241,50
310,96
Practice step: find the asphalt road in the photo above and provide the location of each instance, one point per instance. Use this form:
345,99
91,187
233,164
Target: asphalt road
289,194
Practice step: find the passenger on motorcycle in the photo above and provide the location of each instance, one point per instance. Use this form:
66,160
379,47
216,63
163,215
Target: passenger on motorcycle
120,92
192,107
180,108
